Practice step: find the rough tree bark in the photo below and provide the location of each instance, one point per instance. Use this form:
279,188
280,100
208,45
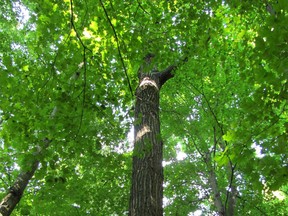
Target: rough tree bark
147,177
14,195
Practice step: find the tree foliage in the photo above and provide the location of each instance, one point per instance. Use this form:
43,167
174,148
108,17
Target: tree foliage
69,72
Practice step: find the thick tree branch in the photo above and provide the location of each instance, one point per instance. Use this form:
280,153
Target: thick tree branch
166,75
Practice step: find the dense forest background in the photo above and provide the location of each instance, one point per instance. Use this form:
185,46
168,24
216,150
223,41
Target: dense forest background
68,75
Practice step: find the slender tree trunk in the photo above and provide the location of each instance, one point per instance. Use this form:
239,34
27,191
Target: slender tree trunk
14,195
215,190
232,201
224,208
147,177
232,190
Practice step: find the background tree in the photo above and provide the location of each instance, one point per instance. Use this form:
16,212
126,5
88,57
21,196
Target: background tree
68,73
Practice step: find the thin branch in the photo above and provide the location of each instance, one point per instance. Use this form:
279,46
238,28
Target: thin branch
211,110
204,158
74,27
255,206
232,168
262,131
51,70
230,184
85,48
139,4
85,15
215,140
118,45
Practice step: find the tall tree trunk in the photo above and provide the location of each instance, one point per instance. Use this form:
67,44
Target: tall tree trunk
146,198
14,195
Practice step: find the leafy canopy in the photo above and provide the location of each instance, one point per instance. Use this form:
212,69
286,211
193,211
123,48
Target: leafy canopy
68,73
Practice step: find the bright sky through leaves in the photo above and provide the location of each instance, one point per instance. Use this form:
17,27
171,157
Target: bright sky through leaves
66,69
